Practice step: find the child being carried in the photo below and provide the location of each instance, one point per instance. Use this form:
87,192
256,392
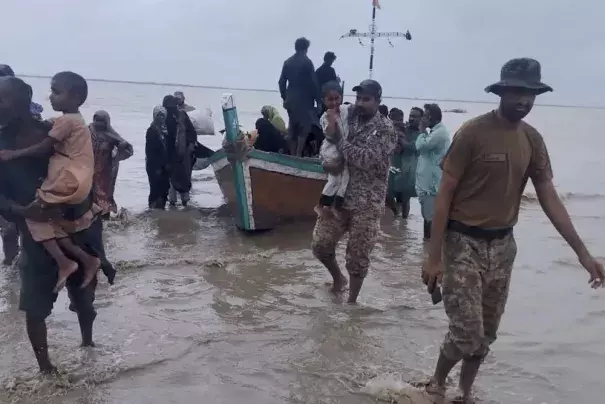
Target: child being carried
335,124
68,180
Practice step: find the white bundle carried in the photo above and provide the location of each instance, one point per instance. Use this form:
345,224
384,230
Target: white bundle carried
202,121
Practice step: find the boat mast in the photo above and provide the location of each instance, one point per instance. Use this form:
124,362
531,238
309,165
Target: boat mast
373,34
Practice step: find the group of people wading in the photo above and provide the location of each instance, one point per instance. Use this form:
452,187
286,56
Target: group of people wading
57,185
57,179
470,194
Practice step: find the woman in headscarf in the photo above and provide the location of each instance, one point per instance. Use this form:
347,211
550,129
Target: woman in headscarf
272,115
157,159
109,149
181,148
268,138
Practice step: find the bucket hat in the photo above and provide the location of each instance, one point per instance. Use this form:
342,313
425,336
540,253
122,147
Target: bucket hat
520,73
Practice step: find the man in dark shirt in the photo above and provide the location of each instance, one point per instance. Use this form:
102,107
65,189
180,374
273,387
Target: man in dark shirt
299,90
326,73
19,180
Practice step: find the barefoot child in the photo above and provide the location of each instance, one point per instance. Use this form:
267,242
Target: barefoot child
68,180
334,122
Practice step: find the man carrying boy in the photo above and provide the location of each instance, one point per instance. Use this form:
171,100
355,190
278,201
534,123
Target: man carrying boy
19,180
367,150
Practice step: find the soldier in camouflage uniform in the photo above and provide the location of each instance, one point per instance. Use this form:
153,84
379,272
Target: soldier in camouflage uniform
367,151
472,248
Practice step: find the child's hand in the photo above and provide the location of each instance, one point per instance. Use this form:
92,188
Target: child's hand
332,116
6,155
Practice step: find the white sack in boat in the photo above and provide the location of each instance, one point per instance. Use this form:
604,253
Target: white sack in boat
202,121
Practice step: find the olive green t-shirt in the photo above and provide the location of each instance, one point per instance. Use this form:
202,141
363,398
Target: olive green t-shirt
493,159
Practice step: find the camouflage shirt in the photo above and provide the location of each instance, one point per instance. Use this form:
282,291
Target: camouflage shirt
368,150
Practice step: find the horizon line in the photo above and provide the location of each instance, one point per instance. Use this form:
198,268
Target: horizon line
266,90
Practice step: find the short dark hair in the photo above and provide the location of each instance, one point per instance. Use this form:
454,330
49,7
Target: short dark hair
329,57
75,84
21,92
396,111
435,112
331,86
301,44
419,110
384,110
6,71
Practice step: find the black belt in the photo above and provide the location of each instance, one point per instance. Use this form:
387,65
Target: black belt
478,232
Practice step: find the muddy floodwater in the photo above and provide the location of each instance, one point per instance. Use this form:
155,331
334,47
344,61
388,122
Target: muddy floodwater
203,313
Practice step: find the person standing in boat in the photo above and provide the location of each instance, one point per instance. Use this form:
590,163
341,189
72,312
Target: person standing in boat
300,92
326,74
181,141
473,248
368,149
431,146
109,149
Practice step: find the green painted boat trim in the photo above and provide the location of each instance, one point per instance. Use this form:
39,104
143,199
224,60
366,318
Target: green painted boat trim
305,164
216,156
232,132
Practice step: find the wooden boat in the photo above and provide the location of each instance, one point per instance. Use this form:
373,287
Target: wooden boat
264,189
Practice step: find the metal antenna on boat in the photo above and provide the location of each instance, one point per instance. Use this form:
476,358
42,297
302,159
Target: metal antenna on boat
373,34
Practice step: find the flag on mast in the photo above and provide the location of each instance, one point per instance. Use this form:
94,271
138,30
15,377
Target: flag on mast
376,3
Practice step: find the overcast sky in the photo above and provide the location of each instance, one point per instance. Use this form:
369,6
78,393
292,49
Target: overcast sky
457,49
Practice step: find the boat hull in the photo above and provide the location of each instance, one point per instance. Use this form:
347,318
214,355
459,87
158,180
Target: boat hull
266,189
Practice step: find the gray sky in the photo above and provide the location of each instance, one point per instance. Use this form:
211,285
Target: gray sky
457,49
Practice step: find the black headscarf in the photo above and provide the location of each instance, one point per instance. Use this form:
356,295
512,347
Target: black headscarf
172,111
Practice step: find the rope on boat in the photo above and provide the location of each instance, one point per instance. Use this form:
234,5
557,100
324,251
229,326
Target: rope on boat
238,150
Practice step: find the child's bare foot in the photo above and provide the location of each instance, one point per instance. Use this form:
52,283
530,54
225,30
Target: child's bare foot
91,267
322,210
66,269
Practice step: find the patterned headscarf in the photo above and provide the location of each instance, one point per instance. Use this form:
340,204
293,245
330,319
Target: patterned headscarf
160,110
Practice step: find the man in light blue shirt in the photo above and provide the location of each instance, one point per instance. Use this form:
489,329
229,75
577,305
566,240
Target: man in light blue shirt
431,146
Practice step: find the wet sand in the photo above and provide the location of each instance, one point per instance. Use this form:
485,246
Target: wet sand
202,312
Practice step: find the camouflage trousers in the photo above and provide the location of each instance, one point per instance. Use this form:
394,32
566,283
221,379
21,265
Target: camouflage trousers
363,231
476,281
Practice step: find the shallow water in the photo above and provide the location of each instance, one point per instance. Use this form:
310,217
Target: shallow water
201,311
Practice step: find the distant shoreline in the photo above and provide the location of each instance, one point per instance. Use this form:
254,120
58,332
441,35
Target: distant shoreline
264,90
